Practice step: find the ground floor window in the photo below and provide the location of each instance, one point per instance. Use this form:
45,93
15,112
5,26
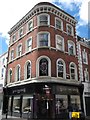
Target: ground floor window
16,104
9,104
61,103
27,104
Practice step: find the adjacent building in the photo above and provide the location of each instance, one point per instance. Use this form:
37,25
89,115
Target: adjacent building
3,65
84,70
42,70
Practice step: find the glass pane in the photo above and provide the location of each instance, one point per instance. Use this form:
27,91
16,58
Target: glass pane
61,103
75,102
58,24
43,39
16,104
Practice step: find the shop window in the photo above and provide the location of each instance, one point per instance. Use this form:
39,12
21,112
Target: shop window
71,47
27,70
59,42
9,104
73,71
58,24
16,104
61,69
43,20
61,104
75,102
27,104
43,39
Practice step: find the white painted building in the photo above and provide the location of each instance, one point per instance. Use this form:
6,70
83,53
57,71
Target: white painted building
3,64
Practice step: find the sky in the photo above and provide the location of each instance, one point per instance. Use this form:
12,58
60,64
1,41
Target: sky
11,11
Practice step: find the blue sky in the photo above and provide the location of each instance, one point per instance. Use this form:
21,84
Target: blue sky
11,15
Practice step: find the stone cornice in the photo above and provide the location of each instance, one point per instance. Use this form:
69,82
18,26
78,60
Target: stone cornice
40,8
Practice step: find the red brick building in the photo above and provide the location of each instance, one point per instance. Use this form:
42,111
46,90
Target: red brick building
43,64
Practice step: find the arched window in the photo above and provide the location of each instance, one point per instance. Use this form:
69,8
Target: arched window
61,72
73,71
43,66
10,75
27,70
18,70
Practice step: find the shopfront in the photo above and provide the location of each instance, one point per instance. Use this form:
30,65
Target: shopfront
44,100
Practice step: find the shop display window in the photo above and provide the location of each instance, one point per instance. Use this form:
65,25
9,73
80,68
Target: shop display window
61,103
16,104
27,104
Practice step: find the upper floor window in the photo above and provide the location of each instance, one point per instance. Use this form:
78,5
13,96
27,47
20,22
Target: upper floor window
59,42
27,70
21,32
71,47
43,39
3,61
58,24
29,44
69,29
61,68
18,70
13,38
19,50
12,55
84,55
10,75
30,25
2,73
43,66
73,71
43,20
86,75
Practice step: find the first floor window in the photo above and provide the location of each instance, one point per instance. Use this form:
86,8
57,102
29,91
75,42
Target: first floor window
43,67
60,69
18,73
86,75
72,71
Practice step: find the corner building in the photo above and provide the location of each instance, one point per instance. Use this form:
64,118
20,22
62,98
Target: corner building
42,64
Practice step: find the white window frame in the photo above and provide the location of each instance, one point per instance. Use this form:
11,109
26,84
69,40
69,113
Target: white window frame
19,51
9,75
56,24
49,66
48,21
25,69
29,29
72,31
57,42
73,44
20,33
86,75
75,69
84,57
64,68
38,40
13,38
28,46
12,55
16,73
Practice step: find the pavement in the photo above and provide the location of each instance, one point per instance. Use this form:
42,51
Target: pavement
11,118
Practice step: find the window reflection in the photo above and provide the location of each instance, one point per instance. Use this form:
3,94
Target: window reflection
27,104
16,104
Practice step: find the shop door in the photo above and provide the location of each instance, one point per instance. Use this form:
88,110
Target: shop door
44,108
